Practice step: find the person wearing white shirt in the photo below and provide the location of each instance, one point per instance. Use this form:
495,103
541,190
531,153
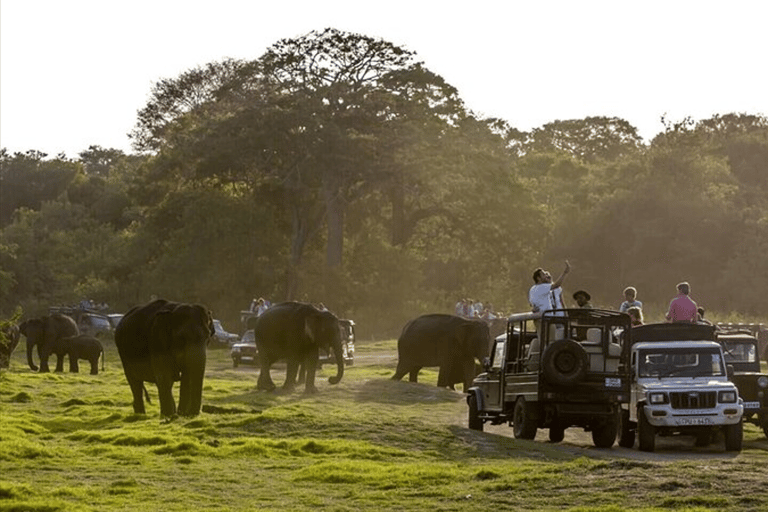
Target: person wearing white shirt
546,295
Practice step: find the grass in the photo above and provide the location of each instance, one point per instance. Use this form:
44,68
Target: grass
71,442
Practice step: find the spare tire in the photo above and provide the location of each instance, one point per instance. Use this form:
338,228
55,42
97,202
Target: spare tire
565,362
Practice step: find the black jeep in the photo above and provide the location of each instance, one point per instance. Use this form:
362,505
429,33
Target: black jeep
570,371
741,351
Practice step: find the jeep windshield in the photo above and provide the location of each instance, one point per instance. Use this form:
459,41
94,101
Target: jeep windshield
680,362
740,352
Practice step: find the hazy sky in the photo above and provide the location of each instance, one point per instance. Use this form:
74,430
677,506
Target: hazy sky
74,73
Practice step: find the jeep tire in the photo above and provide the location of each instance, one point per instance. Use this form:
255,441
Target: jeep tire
523,423
565,362
626,433
556,433
604,434
734,435
475,423
646,432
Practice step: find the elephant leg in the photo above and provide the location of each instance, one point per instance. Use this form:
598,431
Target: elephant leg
74,366
311,365
164,370
292,369
443,377
468,373
137,388
94,365
191,385
265,380
413,376
60,362
400,371
43,356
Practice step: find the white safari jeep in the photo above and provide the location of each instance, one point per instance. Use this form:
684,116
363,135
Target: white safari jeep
679,386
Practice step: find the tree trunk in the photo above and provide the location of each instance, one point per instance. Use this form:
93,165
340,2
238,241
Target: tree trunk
334,209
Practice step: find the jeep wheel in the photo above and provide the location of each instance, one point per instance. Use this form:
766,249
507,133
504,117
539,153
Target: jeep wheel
734,434
523,422
646,432
604,435
556,433
626,432
565,362
475,423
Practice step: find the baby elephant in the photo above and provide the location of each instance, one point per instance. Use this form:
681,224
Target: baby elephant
83,347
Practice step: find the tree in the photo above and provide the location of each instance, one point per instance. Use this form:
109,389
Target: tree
588,140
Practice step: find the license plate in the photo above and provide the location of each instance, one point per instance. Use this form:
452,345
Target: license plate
693,421
612,382
751,405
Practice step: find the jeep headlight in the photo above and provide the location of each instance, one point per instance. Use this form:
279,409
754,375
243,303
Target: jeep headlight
728,397
658,398
762,382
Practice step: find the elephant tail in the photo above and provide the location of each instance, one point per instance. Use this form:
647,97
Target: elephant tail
146,394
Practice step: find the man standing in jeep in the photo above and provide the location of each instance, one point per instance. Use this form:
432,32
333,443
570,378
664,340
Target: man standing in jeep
545,294
682,308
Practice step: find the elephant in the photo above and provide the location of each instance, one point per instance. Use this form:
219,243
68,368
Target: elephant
45,332
448,341
164,342
295,331
8,343
87,348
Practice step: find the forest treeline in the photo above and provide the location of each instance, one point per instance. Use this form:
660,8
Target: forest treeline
338,168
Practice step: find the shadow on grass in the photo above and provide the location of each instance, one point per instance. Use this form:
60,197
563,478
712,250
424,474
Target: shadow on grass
387,391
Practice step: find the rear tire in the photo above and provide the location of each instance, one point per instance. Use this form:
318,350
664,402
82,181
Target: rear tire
734,435
475,422
645,432
524,424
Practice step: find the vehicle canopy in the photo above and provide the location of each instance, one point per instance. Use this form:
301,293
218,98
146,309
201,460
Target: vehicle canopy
676,331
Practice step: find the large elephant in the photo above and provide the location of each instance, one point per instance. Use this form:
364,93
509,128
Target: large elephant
45,332
8,342
295,331
164,342
87,348
450,342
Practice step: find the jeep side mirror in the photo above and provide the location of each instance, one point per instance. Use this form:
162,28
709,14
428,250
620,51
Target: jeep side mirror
487,364
729,371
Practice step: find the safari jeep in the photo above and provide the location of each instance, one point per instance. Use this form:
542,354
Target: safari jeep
679,386
740,348
569,376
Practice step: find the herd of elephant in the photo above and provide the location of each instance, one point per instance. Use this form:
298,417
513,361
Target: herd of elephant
164,342
52,335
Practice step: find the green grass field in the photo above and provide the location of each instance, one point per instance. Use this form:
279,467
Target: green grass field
71,442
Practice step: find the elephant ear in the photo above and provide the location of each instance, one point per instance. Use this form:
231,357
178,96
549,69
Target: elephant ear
310,326
464,333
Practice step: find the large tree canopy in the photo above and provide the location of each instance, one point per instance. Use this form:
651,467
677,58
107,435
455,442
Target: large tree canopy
338,168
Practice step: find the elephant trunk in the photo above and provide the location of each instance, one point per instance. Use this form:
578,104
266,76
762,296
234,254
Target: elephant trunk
339,362
30,361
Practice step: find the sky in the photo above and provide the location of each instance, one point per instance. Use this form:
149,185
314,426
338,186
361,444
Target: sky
74,73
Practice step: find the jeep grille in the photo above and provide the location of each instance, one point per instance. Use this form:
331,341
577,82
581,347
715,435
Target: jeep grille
693,400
